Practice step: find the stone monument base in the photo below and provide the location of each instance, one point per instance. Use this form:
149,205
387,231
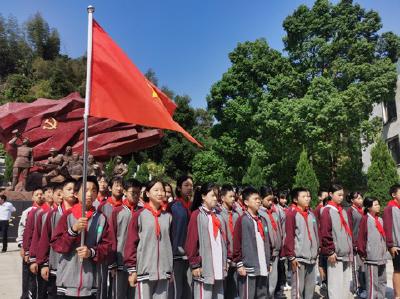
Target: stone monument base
18,195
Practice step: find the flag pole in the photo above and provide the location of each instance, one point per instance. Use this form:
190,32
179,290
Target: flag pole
90,11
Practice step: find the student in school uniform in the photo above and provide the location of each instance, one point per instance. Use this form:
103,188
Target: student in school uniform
38,206
239,206
27,276
106,207
230,216
119,222
337,245
371,246
76,271
148,250
103,191
252,249
301,245
206,245
47,258
322,259
180,210
391,216
355,213
270,213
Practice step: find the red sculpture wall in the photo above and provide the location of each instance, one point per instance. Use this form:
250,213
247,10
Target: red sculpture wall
59,123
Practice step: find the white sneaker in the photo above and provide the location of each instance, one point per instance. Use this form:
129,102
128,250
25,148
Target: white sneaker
286,287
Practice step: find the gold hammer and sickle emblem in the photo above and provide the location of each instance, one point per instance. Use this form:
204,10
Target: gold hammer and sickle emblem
50,124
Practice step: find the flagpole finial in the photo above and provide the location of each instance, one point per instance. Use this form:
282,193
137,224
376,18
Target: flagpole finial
90,9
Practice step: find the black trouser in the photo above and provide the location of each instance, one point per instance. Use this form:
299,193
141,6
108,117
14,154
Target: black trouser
37,286
25,280
52,287
4,229
66,297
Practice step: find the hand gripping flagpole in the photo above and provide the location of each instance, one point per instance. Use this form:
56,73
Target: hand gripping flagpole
90,11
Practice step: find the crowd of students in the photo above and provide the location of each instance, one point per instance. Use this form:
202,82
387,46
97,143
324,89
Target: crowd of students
209,241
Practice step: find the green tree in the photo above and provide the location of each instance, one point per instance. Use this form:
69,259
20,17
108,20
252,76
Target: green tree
382,173
44,41
132,168
306,177
109,167
209,167
254,174
142,175
17,88
9,162
319,95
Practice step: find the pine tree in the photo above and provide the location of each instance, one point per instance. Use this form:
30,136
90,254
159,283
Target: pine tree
306,177
142,174
382,173
254,174
132,168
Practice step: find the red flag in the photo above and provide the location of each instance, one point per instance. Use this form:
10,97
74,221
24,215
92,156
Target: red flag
121,92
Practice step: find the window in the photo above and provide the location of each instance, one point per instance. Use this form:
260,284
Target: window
389,111
394,148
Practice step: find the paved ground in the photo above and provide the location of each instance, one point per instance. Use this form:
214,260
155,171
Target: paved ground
10,275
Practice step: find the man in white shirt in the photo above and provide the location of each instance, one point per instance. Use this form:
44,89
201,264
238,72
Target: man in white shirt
6,209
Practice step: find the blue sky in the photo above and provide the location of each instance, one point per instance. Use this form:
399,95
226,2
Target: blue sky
186,42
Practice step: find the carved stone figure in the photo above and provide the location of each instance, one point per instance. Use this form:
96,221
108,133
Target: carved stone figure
120,169
23,162
75,167
54,164
94,168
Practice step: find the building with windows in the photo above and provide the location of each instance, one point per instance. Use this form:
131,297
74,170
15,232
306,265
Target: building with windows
388,111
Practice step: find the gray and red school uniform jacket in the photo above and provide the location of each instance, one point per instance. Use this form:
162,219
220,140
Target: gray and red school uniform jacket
355,215
119,223
274,229
199,245
230,218
107,206
148,250
37,231
336,235
240,208
391,220
245,249
371,243
30,227
317,211
301,242
99,200
76,278
180,210
46,255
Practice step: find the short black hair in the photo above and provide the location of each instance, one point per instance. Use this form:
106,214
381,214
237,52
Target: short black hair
79,183
248,191
320,191
150,185
393,189
3,197
368,202
266,191
116,179
179,183
225,188
58,187
133,183
294,194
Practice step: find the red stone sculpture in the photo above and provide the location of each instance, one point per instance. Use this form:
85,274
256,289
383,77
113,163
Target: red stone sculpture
58,123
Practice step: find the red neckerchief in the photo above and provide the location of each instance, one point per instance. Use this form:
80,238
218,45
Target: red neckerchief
35,205
100,198
379,226
394,203
230,222
77,211
185,203
45,207
128,204
155,214
293,206
215,222
359,210
260,226
114,202
271,218
342,220
305,216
